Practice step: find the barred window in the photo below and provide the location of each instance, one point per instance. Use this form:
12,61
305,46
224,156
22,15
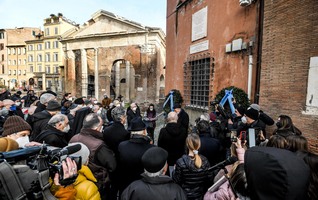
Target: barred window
198,74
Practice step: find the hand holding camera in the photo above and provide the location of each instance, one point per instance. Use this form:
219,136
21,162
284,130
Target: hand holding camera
69,173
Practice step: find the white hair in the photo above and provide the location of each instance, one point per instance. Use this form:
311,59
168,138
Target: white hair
46,97
56,119
155,174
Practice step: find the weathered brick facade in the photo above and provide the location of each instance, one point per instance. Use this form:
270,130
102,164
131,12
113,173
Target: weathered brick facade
226,21
290,38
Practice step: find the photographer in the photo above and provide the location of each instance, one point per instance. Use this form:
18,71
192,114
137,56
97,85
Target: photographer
65,191
251,120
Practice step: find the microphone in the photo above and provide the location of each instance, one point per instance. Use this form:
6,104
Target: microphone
69,150
222,164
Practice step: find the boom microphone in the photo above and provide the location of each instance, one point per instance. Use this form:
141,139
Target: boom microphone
222,164
69,150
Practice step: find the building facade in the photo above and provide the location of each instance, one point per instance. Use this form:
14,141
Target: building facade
289,68
277,64
14,72
210,46
115,56
45,54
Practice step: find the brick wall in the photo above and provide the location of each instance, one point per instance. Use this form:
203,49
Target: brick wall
290,38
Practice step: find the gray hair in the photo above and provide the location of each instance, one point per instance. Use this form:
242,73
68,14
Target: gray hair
159,173
172,117
137,132
56,119
117,113
91,121
205,116
46,97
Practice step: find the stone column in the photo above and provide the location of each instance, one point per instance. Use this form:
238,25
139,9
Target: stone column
43,81
96,75
70,75
84,72
127,94
117,79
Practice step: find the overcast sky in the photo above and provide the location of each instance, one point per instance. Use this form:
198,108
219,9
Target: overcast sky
31,13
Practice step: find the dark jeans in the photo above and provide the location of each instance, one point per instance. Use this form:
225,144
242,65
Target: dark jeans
151,131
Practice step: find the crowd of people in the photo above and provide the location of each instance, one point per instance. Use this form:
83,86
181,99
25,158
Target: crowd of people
122,158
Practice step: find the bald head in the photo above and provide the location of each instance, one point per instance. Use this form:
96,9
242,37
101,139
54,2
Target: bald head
172,117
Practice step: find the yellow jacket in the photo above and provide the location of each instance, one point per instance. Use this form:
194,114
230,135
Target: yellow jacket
85,185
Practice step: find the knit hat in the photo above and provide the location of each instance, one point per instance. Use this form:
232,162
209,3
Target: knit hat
15,124
154,159
137,124
83,152
252,113
53,105
8,144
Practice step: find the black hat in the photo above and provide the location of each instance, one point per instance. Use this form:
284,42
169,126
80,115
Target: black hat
79,101
177,105
252,113
137,124
53,105
154,159
240,109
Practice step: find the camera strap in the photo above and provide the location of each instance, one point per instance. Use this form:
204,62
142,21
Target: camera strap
43,177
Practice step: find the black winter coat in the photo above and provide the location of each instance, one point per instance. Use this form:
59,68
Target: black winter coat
194,181
210,148
5,95
39,108
130,153
153,188
172,139
78,120
39,122
131,115
115,134
52,137
183,119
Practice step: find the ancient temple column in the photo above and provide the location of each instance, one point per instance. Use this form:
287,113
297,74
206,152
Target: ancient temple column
96,75
117,79
84,72
127,96
70,75
43,81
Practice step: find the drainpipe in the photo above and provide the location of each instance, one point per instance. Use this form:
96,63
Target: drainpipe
250,74
259,50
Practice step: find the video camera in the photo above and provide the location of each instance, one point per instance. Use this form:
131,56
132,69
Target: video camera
41,158
32,168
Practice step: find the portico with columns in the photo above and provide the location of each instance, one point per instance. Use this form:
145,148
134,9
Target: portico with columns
127,63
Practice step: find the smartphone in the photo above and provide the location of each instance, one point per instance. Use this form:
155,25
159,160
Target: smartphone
251,137
243,136
233,136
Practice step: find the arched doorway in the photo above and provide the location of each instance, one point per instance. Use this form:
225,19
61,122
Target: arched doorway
122,80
